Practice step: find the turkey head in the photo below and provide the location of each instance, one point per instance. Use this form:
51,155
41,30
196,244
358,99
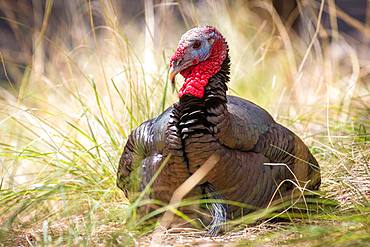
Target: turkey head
199,56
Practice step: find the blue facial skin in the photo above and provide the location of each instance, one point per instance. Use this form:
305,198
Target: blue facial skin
202,52
196,55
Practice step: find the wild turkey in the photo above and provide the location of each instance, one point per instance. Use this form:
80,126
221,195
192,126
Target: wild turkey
206,121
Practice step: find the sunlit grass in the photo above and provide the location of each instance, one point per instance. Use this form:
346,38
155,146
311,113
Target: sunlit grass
65,122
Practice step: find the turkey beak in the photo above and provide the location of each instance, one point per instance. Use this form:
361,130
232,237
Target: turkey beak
174,70
173,73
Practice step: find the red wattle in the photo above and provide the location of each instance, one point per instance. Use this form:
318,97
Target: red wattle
197,76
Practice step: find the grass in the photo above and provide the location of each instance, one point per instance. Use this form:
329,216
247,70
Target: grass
64,123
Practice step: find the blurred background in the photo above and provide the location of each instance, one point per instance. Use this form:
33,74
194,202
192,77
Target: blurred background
77,76
156,24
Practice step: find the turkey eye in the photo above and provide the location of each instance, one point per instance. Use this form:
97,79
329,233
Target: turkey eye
197,44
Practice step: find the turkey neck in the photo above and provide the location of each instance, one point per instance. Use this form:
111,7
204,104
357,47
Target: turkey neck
193,126
215,91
